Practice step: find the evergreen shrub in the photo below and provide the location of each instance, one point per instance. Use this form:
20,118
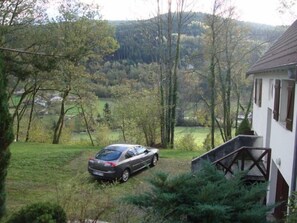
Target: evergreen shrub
244,127
6,137
205,196
292,215
39,213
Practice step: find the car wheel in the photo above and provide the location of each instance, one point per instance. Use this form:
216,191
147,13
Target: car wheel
154,160
125,175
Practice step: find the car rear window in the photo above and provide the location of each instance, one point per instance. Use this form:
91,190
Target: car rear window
108,155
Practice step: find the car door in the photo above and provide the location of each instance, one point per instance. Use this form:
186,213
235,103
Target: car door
148,155
132,158
142,154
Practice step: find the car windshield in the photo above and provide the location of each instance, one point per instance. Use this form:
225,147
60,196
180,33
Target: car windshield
108,155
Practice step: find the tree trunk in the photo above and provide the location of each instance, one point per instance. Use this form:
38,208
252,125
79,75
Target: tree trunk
176,61
169,75
162,78
6,138
31,112
19,116
60,123
168,61
87,124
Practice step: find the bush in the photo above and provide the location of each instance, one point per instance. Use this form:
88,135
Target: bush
39,213
103,136
84,199
205,196
292,216
40,132
66,135
186,143
244,127
207,142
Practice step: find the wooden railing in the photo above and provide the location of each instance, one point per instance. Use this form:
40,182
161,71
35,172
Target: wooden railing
254,161
242,153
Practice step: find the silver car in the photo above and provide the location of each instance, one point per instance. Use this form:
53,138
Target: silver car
119,161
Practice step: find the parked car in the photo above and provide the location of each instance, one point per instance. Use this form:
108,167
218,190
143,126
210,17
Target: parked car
119,161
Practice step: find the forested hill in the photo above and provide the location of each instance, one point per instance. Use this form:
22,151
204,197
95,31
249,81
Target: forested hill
137,39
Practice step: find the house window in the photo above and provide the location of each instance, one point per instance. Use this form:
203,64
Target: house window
258,92
284,102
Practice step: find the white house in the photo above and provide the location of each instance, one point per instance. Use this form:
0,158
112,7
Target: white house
275,113
271,154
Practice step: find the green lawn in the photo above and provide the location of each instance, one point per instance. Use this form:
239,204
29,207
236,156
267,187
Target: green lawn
37,171
199,133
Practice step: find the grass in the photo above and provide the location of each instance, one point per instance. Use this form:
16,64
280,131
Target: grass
37,170
199,133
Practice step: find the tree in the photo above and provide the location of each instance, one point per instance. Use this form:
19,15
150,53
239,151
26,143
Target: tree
79,39
214,30
137,114
86,104
287,8
6,137
228,52
14,15
21,42
168,59
205,196
107,113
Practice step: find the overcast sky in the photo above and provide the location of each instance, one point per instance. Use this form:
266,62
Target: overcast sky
260,11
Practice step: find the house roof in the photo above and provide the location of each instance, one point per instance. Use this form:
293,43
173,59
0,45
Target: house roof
282,54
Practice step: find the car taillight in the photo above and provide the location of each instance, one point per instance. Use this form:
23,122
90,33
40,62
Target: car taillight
109,164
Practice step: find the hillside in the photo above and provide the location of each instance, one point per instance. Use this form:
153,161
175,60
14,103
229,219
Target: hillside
136,38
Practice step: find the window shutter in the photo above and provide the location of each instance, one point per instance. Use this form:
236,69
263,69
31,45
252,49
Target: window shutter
260,93
290,108
256,86
276,100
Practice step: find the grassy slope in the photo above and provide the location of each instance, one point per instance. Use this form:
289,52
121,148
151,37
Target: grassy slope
36,170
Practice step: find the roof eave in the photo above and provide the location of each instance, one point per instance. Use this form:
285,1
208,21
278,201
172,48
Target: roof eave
272,69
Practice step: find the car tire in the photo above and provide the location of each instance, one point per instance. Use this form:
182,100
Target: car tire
125,175
154,160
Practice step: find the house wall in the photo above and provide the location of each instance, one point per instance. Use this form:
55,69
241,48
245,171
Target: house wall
282,141
272,184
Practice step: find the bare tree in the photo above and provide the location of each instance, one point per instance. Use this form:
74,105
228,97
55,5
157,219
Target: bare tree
228,50
169,56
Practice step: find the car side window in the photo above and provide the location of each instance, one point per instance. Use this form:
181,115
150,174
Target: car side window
130,153
140,149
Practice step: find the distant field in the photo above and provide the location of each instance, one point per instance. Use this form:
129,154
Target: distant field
199,133
74,111
37,171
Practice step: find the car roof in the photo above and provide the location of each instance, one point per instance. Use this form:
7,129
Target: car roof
121,147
